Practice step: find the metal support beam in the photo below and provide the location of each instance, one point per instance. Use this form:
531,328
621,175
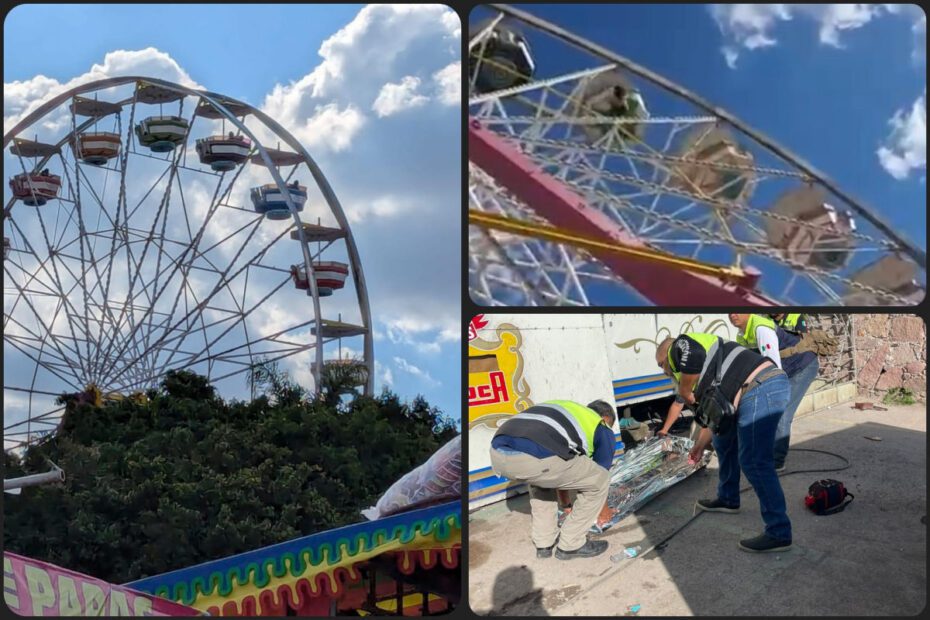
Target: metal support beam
551,199
15,484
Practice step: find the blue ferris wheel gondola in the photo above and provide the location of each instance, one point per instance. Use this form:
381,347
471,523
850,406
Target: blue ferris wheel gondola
269,200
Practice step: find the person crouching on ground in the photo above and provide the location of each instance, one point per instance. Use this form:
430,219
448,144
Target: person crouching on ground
759,393
554,445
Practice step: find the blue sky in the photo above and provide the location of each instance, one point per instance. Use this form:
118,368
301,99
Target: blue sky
371,91
829,83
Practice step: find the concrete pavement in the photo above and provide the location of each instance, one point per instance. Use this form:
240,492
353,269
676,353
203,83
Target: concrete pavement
868,560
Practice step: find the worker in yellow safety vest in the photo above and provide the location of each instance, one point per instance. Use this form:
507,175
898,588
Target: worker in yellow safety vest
795,324
557,445
759,333
755,392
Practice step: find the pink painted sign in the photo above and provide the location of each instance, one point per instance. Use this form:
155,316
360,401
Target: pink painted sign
33,588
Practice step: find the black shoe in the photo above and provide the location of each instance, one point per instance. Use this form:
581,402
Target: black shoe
715,505
544,552
780,468
764,544
590,549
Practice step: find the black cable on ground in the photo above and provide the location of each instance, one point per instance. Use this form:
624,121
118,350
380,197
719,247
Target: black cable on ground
664,542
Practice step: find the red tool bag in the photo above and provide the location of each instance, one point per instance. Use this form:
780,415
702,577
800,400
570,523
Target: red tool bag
826,497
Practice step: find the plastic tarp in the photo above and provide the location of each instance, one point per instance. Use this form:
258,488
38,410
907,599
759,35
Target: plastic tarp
438,479
644,472
34,588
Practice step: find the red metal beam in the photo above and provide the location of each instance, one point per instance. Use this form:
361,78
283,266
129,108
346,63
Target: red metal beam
551,199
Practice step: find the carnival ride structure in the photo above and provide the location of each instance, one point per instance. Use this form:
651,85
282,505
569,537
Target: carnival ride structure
595,181
151,226
404,561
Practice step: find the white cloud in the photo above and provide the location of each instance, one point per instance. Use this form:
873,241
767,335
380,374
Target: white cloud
330,128
448,80
405,366
394,98
22,97
919,29
905,149
753,26
384,375
380,207
425,338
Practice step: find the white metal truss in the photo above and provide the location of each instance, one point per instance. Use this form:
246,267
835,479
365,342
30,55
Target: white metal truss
641,185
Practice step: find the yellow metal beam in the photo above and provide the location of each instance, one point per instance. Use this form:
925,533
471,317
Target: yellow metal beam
555,235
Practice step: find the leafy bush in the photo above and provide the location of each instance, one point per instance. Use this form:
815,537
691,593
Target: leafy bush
187,477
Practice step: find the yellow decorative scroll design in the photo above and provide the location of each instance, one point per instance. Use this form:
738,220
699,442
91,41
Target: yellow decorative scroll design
501,354
714,327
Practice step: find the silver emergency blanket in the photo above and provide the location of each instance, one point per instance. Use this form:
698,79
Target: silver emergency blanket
644,472
438,479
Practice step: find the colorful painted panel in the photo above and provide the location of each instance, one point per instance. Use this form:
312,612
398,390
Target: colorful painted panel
496,387
34,588
319,565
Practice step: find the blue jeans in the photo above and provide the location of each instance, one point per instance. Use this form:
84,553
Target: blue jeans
747,445
799,383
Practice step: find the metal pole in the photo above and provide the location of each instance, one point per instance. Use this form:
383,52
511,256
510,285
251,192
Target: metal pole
14,484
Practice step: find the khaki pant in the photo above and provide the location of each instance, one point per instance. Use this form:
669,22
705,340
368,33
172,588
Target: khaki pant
544,477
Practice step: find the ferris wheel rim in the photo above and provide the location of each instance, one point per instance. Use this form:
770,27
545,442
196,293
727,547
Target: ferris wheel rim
217,101
906,246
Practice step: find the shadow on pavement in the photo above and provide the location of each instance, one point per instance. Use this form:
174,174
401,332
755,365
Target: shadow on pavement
869,559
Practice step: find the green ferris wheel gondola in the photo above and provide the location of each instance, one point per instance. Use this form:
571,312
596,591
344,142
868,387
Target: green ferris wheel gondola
162,134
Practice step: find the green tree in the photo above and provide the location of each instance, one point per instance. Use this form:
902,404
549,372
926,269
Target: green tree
188,477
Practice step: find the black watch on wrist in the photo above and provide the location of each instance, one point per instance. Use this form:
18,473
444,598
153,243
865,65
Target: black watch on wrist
680,399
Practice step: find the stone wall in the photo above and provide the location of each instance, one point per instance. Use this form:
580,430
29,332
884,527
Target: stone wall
890,351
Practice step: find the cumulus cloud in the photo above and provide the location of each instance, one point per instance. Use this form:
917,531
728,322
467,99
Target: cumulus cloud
425,338
905,148
449,83
395,98
383,375
364,55
400,181
380,208
20,98
405,366
752,26
331,128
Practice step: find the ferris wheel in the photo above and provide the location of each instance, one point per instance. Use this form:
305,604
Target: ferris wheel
151,227
594,181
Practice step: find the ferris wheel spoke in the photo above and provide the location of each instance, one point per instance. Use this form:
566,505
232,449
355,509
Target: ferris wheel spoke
25,350
186,285
241,318
61,299
224,280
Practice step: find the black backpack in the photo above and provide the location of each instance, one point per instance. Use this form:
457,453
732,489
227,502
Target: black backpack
714,410
827,497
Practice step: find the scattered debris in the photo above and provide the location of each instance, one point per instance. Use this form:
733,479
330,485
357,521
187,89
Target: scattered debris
873,438
632,610
629,552
863,406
